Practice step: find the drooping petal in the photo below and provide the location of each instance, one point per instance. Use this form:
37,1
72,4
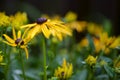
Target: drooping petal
26,52
14,33
9,43
45,31
63,29
10,40
19,35
34,31
59,35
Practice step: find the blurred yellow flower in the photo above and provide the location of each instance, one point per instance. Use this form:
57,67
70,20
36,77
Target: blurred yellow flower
4,20
18,19
65,71
48,27
117,65
70,16
105,43
84,42
91,60
18,40
79,26
94,29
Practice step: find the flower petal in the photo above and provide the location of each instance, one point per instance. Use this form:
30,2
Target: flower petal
29,25
9,43
45,31
19,34
14,33
26,51
8,38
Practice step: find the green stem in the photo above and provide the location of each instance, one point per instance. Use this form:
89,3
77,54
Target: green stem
7,67
22,63
44,60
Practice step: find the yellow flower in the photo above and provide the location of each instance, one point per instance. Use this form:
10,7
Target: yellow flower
4,19
18,40
18,19
48,27
70,16
78,25
65,71
84,42
94,29
105,43
91,60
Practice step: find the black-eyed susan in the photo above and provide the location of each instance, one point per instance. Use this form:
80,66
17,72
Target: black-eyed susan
65,71
91,60
18,40
105,43
48,27
19,19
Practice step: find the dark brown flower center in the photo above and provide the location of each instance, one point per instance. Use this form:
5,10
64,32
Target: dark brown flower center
41,20
19,41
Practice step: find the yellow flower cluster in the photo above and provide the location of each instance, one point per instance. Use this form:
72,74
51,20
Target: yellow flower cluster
91,60
18,19
102,42
4,20
65,71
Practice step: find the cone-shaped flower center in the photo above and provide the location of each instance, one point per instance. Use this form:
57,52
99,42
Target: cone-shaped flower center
41,20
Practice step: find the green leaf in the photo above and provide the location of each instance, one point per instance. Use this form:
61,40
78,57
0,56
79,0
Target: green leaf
109,70
91,44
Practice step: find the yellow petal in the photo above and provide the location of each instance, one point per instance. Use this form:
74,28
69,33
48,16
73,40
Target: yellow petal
59,35
26,52
9,43
29,25
45,31
14,33
62,29
8,38
19,35
34,31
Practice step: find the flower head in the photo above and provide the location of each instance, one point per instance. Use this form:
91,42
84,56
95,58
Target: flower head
4,19
48,27
94,29
79,26
18,40
91,60
18,19
70,16
65,71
